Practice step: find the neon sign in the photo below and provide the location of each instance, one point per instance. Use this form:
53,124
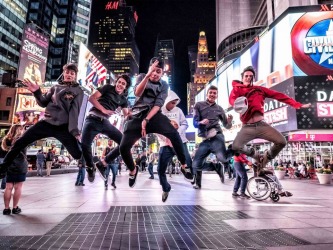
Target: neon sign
112,5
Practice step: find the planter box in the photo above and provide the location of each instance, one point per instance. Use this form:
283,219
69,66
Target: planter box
324,178
280,174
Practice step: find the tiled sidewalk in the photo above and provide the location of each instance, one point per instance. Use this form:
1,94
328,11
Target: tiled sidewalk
58,215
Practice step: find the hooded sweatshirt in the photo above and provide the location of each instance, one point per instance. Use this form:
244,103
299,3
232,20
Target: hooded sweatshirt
256,98
174,115
62,105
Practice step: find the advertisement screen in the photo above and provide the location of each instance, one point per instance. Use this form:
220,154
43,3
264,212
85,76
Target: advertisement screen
312,43
33,55
27,111
91,73
319,92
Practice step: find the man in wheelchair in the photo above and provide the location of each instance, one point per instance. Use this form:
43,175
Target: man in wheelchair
270,177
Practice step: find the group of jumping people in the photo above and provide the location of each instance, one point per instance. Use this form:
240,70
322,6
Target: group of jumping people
154,111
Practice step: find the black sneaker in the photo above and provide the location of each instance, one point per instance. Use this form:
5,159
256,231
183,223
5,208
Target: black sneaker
165,196
187,174
132,178
244,196
235,195
196,186
16,210
101,170
91,173
6,211
113,185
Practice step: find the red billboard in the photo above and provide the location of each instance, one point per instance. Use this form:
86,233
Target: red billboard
33,55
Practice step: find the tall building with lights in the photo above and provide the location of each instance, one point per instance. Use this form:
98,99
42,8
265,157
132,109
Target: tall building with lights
204,71
111,37
58,19
13,14
81,28
165,50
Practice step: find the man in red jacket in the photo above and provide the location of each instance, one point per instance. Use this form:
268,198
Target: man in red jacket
254,125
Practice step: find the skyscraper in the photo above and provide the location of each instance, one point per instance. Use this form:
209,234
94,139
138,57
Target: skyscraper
12,20
111,37
165,50
58,19
204,71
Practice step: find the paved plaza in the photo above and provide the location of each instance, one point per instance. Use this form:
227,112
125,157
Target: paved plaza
58,215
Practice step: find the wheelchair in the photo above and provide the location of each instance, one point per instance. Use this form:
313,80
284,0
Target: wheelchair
262,187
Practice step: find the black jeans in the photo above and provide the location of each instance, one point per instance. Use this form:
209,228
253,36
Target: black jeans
159,124
41,130
94,126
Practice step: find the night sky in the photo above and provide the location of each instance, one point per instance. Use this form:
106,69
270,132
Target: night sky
180,20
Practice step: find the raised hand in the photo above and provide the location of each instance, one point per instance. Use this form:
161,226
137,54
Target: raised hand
30,85
308,105
152,68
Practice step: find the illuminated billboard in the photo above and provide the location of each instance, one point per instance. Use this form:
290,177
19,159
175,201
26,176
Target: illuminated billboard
33,56
27,111
91,73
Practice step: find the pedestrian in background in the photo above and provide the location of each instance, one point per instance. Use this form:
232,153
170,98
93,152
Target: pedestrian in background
151,160
40,160
241,176
113,166
62,103
81,174
49,161
17,170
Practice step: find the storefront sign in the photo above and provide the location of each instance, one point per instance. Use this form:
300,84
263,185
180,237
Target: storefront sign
311,137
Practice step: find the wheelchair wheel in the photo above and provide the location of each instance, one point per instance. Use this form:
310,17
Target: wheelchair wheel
258,188
275,197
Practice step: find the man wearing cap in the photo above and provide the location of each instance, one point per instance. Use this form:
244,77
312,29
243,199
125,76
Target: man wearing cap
146,117
62,105
254,125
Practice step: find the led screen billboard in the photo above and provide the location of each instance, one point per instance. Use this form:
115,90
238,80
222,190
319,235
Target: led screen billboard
33,56
91,73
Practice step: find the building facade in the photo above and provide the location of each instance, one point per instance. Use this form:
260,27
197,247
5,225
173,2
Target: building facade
166,51
12,20
204,71
112,36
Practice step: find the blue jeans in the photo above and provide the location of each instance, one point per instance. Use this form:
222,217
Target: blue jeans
215,145
150,170
114,169
40,166
92,127
81,175
241,177
164,156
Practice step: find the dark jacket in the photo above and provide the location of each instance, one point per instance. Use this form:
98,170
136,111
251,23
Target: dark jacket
63,103
214,113
154,94
20,163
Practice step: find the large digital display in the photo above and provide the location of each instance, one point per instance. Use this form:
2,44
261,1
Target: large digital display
91,73
33,55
